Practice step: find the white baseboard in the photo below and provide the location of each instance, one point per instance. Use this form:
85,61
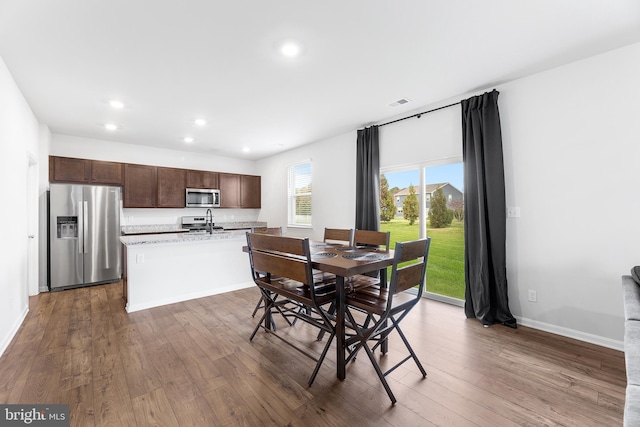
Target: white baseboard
14,331
571,333
558,330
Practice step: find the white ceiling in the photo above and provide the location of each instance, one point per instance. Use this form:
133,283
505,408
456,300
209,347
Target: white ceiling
171,62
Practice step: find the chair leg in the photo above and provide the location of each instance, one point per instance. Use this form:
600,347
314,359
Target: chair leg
379,372
331,311
262,319
258,305
321,359
406,343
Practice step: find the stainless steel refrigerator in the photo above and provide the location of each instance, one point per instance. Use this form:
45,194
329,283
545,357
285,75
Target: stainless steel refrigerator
84,229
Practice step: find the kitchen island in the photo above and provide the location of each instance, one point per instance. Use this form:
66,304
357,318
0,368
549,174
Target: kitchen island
166,268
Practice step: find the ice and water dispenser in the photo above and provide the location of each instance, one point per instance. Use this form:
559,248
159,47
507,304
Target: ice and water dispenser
67,227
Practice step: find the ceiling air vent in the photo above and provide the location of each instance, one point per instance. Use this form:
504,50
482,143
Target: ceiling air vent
400,101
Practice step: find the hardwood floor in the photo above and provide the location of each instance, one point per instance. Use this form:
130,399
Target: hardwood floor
191,364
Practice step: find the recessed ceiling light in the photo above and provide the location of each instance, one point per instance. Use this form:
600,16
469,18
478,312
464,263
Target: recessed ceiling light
188,140
110,126
200,122
290,49
246,149
116,104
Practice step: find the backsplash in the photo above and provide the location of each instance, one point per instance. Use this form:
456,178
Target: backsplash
131,216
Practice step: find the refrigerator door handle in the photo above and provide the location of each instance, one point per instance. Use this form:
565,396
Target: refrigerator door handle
80,228
85,226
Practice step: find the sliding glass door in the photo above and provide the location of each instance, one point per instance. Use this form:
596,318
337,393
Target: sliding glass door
428,201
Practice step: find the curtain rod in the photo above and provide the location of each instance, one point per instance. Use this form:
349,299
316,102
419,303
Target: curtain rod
420,114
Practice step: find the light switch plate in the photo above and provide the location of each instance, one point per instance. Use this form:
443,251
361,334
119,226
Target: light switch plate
513,212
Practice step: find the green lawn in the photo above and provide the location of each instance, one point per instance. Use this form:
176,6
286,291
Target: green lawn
445,270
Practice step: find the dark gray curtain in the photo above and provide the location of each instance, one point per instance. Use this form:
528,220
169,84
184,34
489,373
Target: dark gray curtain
368,180
484,212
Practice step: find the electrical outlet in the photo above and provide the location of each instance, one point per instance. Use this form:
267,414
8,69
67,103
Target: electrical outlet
139,258
533,296
513,212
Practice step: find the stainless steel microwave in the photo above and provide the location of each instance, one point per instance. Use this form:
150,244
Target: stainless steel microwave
202,198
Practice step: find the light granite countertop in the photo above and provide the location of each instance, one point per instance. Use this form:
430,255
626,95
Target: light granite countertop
151,239
151,229
174,228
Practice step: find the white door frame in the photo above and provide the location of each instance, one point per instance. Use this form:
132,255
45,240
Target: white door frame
32,225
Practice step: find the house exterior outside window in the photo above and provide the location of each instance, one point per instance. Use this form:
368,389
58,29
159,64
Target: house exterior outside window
451,193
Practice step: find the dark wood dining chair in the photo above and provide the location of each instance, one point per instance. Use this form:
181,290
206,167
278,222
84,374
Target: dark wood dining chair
343,236
379,239
274,231
385,308
281,267
371,239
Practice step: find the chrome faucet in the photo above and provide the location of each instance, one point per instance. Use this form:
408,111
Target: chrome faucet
209,221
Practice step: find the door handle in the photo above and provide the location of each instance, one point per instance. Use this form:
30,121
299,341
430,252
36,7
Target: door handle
31,236
85,209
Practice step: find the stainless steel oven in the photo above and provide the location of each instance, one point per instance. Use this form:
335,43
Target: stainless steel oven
199,224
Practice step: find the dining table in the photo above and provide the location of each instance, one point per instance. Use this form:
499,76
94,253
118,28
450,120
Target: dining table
344,262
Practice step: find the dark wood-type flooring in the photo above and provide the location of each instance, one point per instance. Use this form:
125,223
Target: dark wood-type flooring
191,364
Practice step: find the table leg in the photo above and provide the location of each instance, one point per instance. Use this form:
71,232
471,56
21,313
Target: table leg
340,310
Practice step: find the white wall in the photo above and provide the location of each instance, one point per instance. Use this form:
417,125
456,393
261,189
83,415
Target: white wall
333,176
570,147
19,141
43,169
86,148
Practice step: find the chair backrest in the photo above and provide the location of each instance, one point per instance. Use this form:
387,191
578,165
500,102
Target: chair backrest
339,235
368,237
284,257
274,231
409,276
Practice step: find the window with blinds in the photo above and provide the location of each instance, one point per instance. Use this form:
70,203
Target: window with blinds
299,194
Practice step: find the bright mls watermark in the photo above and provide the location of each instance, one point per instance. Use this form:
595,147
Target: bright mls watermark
34,415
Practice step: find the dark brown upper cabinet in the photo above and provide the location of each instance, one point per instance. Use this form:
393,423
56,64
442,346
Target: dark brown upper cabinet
146,186
240,191
83,171
65,169
107,172
250,191
202,179
171,186
229,190
140,186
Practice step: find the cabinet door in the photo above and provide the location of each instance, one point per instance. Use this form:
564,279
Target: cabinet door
171,186
250,191
202,179
65,169
140,186
106,172
210,180
229,190
195,179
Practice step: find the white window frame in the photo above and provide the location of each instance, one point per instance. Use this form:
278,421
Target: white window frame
292,178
